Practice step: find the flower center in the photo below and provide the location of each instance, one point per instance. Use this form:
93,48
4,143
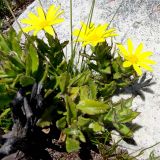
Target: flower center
43,23
133,59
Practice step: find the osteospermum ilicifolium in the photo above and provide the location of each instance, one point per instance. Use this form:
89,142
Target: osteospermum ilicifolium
136,57
43,21
92,34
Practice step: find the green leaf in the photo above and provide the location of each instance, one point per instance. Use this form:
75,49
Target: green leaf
16,80
107,70
43,123
26,81
14,60
93,66
127,115
5,112
61,123
16,47
74,92
3,44
5,99
84,92
7,75
62,67
71,110
71,132
76,133
5,119
82,137
83,122
34,58
127,102
121,112
80,79
14,41
46,118
92,107
28,65
117,75
63,81
92,89
109,89
96,127
123,129
64,44
110,116
116,64
123,84
72,145
2,88
42,46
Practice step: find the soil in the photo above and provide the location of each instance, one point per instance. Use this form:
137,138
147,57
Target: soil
18,8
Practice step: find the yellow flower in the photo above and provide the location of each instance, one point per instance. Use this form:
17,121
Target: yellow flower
135,57
93,34
42,20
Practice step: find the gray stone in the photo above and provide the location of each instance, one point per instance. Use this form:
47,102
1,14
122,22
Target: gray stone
139,20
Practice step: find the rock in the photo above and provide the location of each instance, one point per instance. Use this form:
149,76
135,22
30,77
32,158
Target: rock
17,155
140,21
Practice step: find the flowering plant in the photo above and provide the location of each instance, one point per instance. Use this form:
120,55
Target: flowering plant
73,100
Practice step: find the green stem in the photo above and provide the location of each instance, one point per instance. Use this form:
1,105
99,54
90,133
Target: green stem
45,73
15,19
71,39
91,13
88,24
142,150
71,24
115,13
40,3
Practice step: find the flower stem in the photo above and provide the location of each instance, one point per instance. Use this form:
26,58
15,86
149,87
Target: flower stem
91,13
40,3
71,61
115,13
15,19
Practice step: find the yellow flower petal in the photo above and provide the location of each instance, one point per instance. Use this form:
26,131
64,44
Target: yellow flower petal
50,12
146,54
33,17
26,21
145,66
149,61
127,64
41,13
138,58
57,21
137,69
76,32
123,50
139,49
92,34
130,46
49,30
28,29
40,21
59,14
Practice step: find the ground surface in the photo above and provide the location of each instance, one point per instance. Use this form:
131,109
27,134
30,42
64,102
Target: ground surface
7,19
139,20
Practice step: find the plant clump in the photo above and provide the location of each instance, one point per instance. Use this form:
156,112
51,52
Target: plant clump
54,101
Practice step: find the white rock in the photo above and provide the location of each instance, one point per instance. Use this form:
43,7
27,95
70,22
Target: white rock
139,20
